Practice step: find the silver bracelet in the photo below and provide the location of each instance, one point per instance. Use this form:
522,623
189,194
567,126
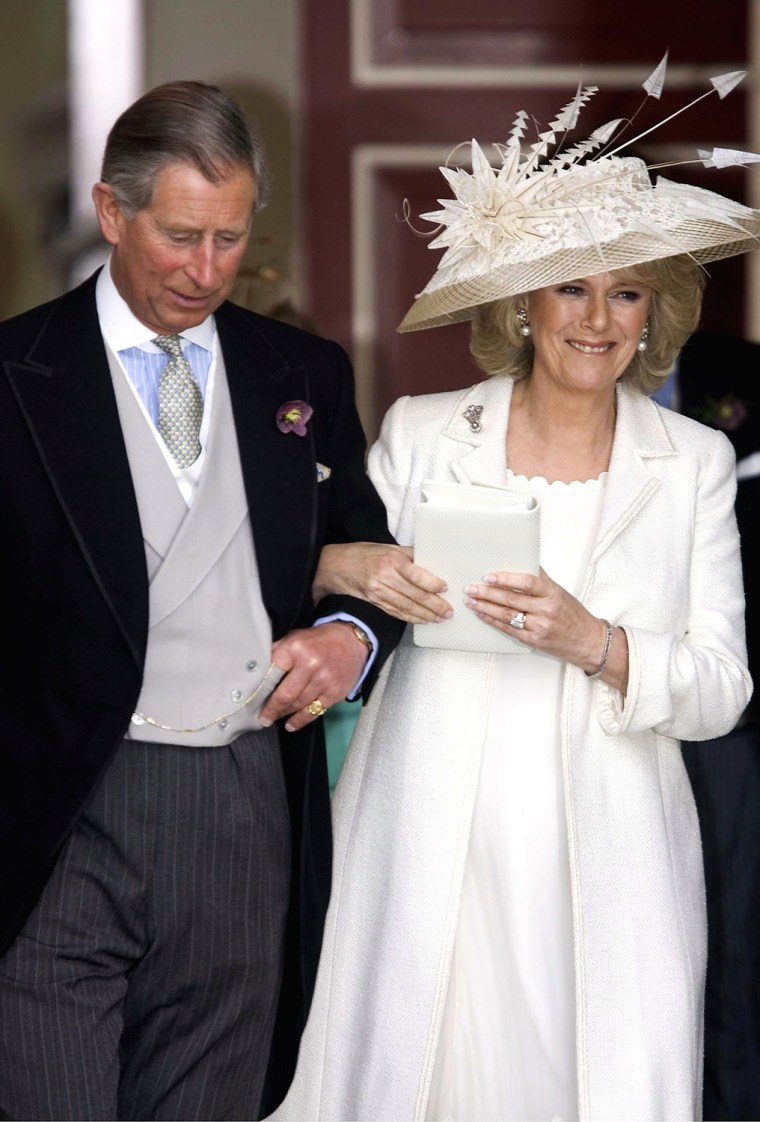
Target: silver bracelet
605,653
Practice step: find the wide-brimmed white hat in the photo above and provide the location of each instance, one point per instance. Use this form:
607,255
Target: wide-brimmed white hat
538,219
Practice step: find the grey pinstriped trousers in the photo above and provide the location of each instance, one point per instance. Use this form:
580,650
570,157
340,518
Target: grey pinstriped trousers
145,982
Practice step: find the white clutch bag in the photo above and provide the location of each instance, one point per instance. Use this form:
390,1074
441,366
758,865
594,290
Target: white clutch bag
461,533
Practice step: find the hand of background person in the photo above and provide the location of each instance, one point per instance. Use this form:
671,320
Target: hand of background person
386,576
555,622
321,663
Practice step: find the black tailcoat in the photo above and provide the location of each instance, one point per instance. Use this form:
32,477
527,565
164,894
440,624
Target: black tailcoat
74,588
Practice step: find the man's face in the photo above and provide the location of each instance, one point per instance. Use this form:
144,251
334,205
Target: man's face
176,260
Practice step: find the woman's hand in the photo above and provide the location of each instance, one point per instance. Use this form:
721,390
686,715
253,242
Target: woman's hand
555,622
386,576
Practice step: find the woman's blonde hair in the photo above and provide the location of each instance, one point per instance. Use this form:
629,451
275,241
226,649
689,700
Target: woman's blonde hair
677,284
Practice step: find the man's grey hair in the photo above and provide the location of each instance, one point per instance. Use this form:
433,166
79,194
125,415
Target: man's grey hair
180,122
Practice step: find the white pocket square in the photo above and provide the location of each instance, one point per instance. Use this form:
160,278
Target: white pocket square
323,473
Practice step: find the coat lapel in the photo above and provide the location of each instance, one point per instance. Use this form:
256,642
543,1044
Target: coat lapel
64,390
640,436
279,469
480,456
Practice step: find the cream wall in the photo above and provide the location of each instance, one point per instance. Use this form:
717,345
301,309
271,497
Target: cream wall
248,46
251,48
32,144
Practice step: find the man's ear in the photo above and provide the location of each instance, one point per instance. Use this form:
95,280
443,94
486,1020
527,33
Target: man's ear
110,218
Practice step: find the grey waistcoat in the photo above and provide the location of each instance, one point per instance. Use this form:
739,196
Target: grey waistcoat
209,639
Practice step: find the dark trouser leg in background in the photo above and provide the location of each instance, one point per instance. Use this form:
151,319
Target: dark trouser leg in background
725,777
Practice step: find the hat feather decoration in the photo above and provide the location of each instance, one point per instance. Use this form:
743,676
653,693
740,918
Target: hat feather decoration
555,211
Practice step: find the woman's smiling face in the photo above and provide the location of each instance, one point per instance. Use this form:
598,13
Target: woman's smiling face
585,332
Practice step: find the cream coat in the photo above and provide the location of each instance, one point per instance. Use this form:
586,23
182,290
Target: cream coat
665,566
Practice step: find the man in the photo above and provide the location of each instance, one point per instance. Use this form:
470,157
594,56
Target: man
164,501
716,382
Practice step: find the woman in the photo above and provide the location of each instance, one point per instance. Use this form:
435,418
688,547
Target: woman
517,924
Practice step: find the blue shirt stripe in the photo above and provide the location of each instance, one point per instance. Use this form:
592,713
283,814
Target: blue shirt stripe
144,371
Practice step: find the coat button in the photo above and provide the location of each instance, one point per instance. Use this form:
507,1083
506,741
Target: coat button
251,664
236,695
223,724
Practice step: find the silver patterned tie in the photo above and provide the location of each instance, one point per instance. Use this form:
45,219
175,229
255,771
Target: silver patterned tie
180,404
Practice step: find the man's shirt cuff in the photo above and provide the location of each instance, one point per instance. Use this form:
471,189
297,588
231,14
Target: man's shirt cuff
346,618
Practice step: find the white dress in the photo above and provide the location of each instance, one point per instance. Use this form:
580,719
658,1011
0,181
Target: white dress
507,1044
665,564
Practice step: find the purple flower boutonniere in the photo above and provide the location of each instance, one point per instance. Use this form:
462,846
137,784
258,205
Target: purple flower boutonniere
727,414
293,416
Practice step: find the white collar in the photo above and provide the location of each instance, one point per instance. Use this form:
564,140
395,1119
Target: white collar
122,329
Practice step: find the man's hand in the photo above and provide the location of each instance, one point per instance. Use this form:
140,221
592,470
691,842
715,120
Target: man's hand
321,664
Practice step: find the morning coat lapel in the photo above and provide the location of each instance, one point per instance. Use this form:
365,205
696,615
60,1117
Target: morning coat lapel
64,390
279,469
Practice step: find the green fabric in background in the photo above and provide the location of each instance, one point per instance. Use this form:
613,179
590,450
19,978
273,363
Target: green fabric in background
339,724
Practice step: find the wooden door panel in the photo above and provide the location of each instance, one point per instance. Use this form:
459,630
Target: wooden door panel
391,85
553,32
420,361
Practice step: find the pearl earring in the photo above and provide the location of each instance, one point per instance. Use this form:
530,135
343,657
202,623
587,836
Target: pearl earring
522,318
642,343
